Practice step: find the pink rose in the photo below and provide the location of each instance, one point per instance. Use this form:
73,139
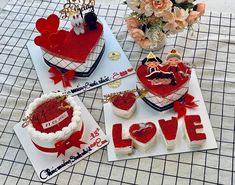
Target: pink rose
137,34
201,8
132,22
193,17
160,5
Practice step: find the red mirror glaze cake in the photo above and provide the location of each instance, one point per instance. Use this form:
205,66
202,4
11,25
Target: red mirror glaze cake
55,122
80,48
166,82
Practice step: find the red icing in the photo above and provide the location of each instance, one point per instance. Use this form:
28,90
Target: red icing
192,123
159,90
143,135
118,141
48,111
66,44
169,128
124,101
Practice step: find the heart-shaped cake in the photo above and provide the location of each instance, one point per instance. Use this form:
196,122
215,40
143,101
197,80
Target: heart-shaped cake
165,82
143,135
124,105
79,49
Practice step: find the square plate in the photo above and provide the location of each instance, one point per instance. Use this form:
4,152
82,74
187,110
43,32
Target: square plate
106,71
48,165
145,113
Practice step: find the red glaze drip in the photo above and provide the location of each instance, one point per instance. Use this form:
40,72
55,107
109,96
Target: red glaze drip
159,90
66,44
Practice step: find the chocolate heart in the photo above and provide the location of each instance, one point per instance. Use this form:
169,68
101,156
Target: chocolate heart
143,132
66,44
124,101
159,90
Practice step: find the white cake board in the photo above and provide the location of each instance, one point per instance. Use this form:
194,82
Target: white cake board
105,69
145,113
42,161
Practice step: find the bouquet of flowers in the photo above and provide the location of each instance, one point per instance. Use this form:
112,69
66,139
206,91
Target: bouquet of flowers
152,20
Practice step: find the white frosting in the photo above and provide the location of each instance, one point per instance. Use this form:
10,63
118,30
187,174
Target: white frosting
48,139
124,151
124,113
143,147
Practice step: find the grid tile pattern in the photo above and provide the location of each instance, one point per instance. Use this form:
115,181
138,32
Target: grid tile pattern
211,48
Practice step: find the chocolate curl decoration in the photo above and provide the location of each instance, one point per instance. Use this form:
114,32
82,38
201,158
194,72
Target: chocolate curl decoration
63,145
181,108
59,76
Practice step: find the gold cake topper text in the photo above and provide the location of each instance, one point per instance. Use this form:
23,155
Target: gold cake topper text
142,92
76,7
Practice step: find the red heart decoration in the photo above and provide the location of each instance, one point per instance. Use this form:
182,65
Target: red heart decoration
57,40
48,111
66,44
51,24
159,90
143,134
124,101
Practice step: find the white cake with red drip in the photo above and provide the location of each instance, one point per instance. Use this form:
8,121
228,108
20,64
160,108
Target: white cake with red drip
54,123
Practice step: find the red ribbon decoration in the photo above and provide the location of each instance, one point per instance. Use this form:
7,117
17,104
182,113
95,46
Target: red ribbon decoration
59,76
181,108
63,145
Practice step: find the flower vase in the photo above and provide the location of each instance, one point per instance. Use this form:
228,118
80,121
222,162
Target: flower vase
157,39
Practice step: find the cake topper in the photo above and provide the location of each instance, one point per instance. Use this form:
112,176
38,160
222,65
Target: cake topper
76,7
26,121
108,97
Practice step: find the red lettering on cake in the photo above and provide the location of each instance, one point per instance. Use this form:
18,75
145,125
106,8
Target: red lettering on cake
118,140
169,128
98,142
123,73
94,134
129,70
116,75
194,128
